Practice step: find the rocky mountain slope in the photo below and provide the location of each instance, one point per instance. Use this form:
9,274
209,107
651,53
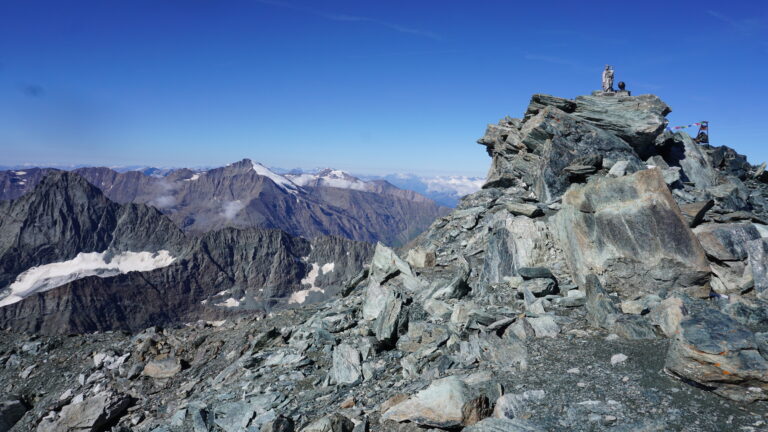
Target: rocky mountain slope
247,194
71,260
610,276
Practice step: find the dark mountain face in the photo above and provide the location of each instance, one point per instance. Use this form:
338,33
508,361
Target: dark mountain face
246,194
65,218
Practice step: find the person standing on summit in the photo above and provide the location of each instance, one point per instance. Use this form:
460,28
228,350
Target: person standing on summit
608,79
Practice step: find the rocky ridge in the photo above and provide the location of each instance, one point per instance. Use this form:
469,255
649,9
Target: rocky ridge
610,276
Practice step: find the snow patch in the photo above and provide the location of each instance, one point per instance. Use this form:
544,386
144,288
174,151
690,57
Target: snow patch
230,303
331,178
317,270
20,172
279,180
193,178
48,276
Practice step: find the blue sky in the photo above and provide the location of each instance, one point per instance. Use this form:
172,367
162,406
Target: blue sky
373,87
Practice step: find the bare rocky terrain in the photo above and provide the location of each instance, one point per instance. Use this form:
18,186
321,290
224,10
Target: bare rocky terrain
611,276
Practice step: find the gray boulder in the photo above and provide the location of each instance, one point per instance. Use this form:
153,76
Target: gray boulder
717,352
391,319
331,423
439,405
347,367
630,232
90,415
726,242
162,369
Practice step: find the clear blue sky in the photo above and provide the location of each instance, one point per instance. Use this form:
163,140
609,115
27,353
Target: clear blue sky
369,86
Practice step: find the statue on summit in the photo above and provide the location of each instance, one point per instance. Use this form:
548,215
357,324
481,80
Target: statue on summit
608,79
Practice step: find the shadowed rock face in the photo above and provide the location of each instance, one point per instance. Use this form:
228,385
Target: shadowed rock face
65,215
629,231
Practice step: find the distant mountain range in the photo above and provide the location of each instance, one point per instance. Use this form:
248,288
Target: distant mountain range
247,194
446,190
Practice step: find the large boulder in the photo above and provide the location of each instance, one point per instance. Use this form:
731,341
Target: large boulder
514,242
629,232
638,120
726,242
715,351
726,245
439,405
90,415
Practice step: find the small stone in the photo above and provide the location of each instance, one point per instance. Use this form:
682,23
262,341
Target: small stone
573,371
348,402
162,369
618,358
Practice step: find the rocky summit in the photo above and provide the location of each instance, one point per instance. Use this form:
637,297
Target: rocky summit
610,276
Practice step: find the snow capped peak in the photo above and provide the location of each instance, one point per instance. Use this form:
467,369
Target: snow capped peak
279,180
329,177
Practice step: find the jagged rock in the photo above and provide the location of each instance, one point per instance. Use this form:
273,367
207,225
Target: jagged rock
535,273
758,263
715,351
162,369
680,150
638,120
503,425
539,101
90,415
11,411
544,326
694,212
439,405
619,169
454,288
667,315
279,424
331,423
385,265
522,209
391,319
548,142
726,242
347,368
725,159
629,231
539,287
580,170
